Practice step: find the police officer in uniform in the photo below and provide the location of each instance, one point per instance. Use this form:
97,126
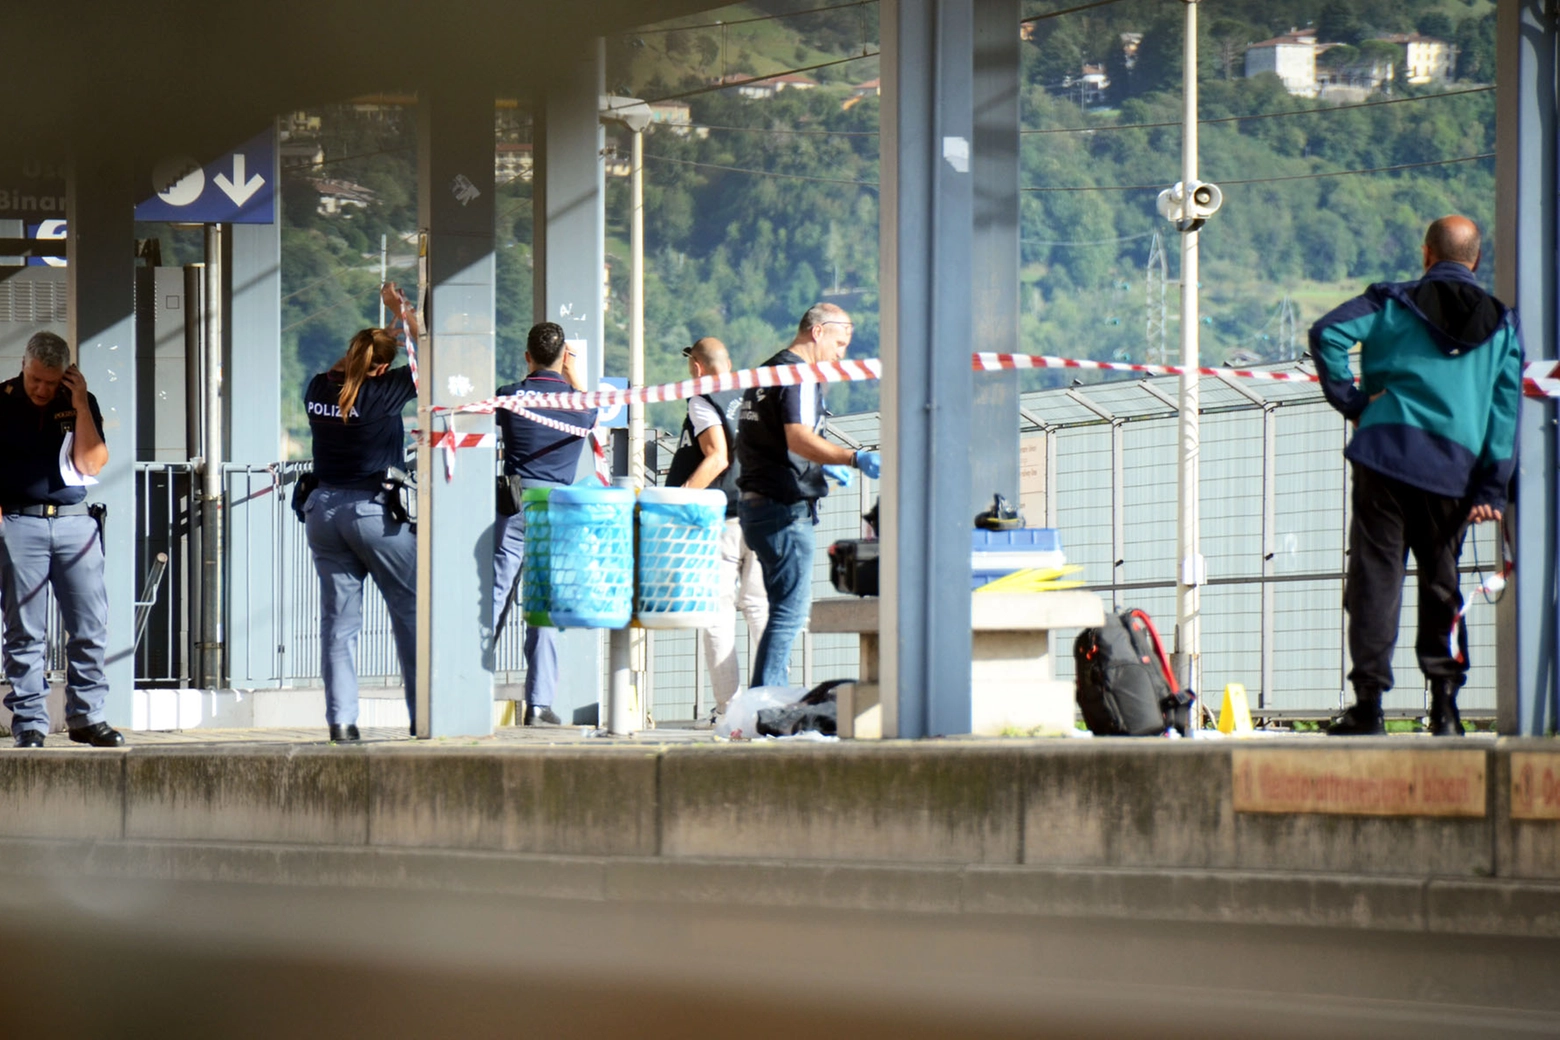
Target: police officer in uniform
355,522
706,457
537,456
53,435
784,458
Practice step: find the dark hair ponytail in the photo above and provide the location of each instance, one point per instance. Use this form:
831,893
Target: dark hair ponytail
369,348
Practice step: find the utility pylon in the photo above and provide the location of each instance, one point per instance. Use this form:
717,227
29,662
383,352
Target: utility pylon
1154,278
1288,338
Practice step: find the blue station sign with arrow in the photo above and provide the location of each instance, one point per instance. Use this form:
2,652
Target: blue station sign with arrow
237,188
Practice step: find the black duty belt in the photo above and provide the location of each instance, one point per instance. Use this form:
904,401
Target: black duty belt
50,510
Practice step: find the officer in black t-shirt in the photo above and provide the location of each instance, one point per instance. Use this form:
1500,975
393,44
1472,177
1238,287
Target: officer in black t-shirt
53,435
783,459
355,526
535,456
706,457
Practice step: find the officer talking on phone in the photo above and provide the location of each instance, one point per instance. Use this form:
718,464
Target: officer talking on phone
53,435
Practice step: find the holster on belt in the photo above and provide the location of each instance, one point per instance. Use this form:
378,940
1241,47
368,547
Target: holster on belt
396,485
98,511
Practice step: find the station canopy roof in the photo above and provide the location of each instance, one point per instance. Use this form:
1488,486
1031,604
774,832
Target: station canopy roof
198,75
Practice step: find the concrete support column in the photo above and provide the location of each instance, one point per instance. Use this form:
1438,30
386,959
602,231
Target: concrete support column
1525,275
994,420
569,197
455,525
252,386
100,200
925,257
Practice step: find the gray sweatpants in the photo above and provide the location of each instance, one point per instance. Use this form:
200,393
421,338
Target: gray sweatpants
63,552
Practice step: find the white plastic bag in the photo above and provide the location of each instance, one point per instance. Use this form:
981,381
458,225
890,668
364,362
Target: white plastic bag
741,719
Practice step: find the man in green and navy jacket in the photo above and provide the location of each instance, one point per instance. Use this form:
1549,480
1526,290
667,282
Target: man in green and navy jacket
1436,415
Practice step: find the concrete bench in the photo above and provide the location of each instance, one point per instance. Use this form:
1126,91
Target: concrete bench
1013,681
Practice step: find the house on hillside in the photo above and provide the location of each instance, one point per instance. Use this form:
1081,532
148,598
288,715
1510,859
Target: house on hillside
1087,88
1345,73
1425,58
301,155
871,88
676,116
1291,56
512,160
764,89
338,195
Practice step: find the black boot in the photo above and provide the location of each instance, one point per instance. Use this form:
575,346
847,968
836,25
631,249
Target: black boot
343,734
1362,719
1445,721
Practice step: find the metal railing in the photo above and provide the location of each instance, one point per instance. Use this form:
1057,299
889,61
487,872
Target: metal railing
1101,459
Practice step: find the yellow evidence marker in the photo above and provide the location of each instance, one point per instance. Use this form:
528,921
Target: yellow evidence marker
1235,714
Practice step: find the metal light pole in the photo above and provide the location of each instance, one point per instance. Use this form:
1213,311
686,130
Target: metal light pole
1189,205
211,472
625,647
1188,583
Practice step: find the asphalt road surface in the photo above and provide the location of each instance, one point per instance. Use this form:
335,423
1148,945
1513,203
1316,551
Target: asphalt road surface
120,959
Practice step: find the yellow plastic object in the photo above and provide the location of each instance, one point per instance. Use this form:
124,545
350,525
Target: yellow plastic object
1235,714
1035,579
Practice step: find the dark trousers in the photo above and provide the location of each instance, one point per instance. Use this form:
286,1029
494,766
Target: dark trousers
1392,519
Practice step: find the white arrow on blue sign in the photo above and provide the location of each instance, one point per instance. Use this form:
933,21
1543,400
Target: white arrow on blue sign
237,188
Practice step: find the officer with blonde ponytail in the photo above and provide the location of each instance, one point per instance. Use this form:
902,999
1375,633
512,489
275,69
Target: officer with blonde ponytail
354,520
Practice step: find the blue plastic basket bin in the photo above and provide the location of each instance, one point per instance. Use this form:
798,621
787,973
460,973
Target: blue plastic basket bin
679,557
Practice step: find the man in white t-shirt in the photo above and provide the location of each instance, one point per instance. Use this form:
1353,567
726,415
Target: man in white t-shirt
706,457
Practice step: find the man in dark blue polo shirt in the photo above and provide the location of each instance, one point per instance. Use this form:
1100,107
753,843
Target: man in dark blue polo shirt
537,455
53,433
783,457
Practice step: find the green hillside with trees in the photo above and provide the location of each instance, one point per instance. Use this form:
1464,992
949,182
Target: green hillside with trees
772,203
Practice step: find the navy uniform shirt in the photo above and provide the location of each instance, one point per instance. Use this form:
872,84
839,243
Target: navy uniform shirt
769,468
30,464
355,453
536,452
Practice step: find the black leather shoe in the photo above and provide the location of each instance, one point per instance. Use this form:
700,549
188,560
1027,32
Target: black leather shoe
99,734
541,716
1358,721
29,738
1445,719
343,734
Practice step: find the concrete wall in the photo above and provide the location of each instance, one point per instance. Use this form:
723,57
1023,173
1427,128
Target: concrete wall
1126,828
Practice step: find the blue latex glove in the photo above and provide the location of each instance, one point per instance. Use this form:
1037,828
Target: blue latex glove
870,463
841,475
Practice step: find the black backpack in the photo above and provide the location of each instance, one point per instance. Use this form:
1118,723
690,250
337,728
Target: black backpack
1125,686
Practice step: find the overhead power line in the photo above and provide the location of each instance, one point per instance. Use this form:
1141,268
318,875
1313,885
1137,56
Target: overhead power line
761,173
1260,115
1065,10
1103,126
1082,187
1270,180
326,310
748,21
733,84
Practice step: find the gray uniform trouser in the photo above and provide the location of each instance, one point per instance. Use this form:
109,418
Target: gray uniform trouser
541,644
353,537
66,553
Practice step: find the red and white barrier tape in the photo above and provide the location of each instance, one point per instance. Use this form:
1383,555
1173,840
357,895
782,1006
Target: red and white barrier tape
1541,379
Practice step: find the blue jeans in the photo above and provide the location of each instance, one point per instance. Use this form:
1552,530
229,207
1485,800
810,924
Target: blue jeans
65,553
781,536
541,644
353,537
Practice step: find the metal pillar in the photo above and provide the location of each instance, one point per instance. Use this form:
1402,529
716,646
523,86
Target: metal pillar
211,663
994,420
925,255
455,516
1188,555
569,198
252,269
100,242
1526,177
